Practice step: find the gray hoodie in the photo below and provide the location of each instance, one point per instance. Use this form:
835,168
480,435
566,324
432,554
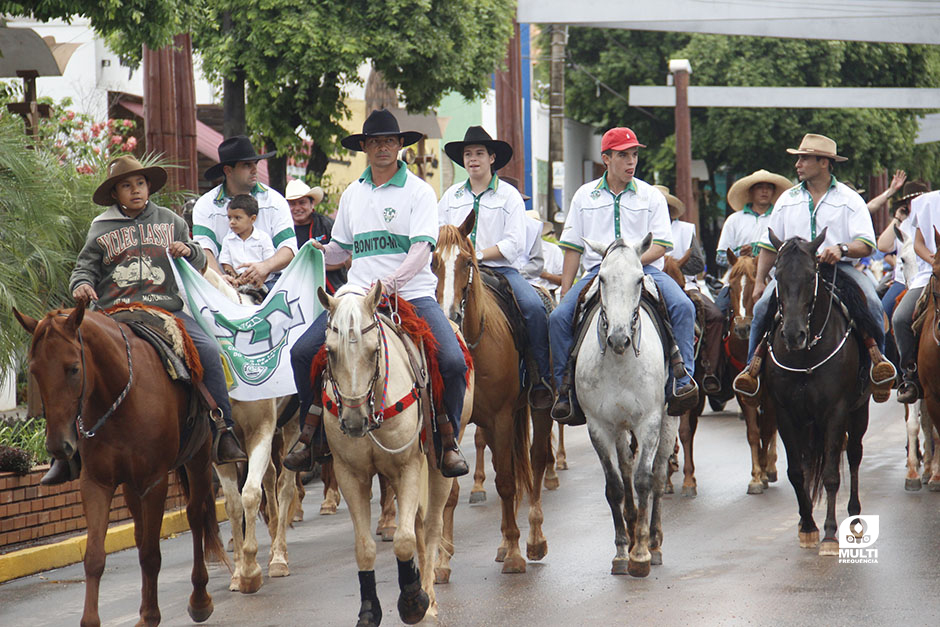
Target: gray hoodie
124,259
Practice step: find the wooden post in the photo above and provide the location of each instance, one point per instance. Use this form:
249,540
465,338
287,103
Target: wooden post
681,69
556,108
509,108
29,109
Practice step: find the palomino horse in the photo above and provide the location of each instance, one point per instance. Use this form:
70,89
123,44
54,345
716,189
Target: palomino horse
621,380
928,361
256,422
811,352
367,359
500,406
93,373
761,427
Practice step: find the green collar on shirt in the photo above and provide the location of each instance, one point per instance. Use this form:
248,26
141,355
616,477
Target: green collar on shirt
748,211
222,196
398,180
494,184
832,182
603,185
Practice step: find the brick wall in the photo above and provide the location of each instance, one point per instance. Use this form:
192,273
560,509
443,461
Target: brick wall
30,512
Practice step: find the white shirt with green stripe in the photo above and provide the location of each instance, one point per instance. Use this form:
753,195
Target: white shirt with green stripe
378,225
500,219
597,214
742,228
841,210
210,218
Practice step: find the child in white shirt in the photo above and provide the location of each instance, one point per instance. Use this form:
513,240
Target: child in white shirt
245,244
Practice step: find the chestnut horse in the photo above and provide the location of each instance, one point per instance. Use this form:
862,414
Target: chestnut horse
928,355
94,373
500,406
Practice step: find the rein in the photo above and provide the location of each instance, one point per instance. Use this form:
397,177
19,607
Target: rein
460,315
936,308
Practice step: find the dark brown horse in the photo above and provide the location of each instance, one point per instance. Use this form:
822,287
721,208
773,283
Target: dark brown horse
82,363
499,404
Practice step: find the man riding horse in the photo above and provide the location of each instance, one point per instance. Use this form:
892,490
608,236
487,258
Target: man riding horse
619,206
819,202
499,237
387,223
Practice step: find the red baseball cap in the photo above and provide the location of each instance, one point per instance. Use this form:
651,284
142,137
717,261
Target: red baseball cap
619,138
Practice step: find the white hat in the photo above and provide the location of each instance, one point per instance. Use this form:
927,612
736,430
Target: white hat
298,189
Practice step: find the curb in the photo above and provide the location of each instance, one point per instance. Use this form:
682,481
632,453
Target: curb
40,558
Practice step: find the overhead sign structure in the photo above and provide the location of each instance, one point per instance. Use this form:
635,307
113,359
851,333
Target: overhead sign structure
790,97
902,21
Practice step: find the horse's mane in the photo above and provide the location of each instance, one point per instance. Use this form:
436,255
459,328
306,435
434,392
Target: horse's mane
746,265
347,319
479,300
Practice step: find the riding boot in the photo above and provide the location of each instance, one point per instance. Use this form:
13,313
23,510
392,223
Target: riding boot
225,446
882,373
747,384
685,397
541,395
909,390
451,460
563,411
710,382
62,470
311,446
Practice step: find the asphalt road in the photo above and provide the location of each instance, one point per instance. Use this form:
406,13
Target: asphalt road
729,558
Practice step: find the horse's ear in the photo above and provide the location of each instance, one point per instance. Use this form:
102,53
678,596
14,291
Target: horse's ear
898,233
600,250
732,259
644,246
816,243
326,300
777,244
467,227
75,318
684,259
374,297
25,321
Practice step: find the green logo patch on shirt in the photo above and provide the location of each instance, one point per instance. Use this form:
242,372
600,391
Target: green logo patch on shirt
389,213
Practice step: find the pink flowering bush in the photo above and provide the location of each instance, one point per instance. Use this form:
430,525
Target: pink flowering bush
84,142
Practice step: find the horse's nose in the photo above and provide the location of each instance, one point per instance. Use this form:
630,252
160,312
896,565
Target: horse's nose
795,341
60,448
742,330
353,424
618,341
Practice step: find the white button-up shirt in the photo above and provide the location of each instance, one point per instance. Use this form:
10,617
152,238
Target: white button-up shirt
210,218
236,251
741,228
925,217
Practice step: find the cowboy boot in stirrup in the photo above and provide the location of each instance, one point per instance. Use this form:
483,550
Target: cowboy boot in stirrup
909,390
62,470
452,462
747,383
710,382
225,446
541,395
882,373
563,410
683,398
310,447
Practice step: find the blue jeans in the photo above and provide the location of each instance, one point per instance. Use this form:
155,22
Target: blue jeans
888,300
536,320
212,374
758,328
680,307
449,359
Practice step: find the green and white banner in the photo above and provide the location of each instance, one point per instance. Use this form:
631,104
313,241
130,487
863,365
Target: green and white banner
256,339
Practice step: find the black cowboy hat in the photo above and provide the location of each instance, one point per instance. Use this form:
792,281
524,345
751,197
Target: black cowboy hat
380,123
477,136
233,150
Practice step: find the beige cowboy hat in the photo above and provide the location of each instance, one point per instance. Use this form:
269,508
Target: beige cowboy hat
546,226
676,206
817,146
738,195
298,189
123,167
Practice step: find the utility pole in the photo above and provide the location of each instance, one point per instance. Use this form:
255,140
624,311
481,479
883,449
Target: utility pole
556,128
233,95
509,108
681,69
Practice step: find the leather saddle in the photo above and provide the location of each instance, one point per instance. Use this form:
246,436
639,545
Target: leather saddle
502,290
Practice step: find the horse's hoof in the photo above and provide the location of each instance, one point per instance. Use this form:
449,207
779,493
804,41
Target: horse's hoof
514,565
829,548
772,476
370,613
500,554
656,557
561,464
618,567
412,606
250,585
441,575
689,491
809,539
537,551
278,569
913,485
552,483
755,487
233,584
638,569
669,489
387,533
327,509
477,497
299,516
230,547
933,485
765,482
201,614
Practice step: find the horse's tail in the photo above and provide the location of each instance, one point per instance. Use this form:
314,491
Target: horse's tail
521,464
213,549
814,455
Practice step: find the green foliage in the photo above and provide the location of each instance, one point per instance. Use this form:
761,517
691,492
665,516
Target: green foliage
14,460
28,435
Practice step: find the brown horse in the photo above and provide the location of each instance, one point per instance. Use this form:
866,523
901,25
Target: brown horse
92,370
928,355
499,406
761,426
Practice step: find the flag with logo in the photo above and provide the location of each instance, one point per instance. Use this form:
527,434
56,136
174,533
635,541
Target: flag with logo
256,339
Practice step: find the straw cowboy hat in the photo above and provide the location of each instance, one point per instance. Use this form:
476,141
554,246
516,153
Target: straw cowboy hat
380,123
546,226
231,151
738,195
298,189
676,206
477,136
817,146
123,167
911,190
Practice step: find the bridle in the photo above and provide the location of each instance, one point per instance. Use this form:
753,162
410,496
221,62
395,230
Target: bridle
461,311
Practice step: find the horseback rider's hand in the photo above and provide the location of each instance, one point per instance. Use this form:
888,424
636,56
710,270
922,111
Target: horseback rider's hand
179,249
832,254
758,290
84,293
255,273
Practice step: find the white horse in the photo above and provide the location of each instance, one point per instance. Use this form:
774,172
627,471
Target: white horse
368,360
256,422
621,380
